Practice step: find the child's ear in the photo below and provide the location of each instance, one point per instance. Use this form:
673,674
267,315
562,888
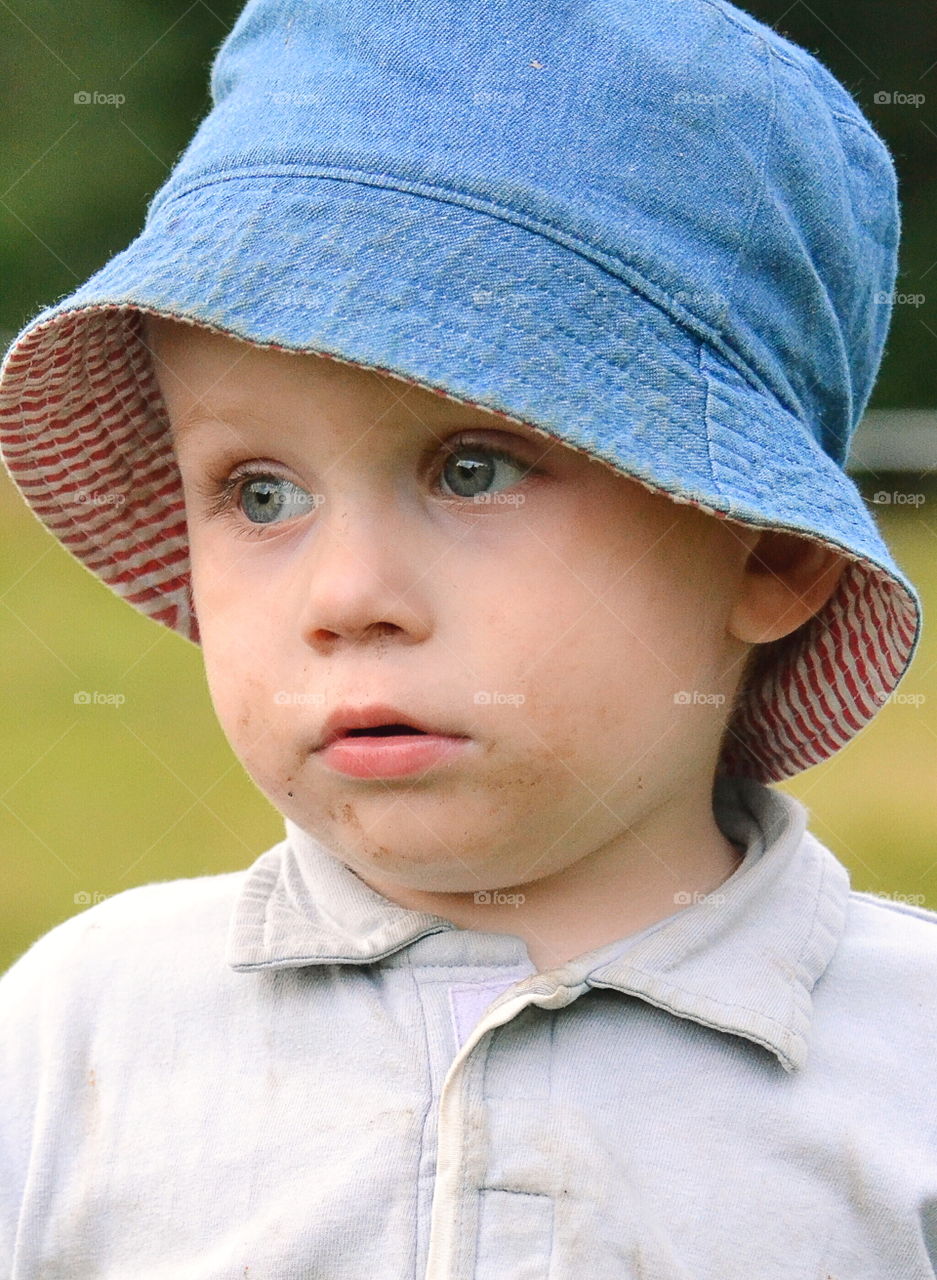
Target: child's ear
786,580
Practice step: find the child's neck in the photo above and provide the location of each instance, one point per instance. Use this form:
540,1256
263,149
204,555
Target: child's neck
648,872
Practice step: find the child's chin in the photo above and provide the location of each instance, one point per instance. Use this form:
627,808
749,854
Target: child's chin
428,869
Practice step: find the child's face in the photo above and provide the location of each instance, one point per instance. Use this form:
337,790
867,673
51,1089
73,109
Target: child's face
554,626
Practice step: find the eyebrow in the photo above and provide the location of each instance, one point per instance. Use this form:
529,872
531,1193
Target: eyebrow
202,419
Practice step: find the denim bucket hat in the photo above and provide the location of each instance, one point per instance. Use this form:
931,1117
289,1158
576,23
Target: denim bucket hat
653,229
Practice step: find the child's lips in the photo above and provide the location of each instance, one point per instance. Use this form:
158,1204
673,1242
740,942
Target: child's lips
375,716
391,755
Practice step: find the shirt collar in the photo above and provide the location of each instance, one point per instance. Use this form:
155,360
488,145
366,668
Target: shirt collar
743,959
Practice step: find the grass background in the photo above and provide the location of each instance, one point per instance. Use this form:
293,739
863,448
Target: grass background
95,799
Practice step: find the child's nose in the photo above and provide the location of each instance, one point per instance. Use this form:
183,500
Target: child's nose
357,574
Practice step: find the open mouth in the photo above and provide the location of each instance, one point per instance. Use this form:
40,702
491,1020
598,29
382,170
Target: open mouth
380,731
390,750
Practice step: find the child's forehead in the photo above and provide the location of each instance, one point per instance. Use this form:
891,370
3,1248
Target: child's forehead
212,382
257,408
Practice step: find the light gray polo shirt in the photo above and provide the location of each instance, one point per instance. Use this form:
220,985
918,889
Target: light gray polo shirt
277,1073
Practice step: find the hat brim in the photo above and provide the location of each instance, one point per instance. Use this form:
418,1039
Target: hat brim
484,312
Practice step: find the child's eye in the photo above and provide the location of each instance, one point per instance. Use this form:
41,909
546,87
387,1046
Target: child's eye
269,499
468,469
472,464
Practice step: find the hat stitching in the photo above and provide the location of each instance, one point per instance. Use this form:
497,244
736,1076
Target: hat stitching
614,265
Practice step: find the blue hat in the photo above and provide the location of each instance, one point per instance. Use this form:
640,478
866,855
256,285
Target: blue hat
654,229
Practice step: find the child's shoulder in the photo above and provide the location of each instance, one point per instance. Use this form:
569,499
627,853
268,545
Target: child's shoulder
149,923
164,902
93,992
893,936
895,914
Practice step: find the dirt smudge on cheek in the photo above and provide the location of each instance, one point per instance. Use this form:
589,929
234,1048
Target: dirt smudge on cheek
535,768
256,703
343,814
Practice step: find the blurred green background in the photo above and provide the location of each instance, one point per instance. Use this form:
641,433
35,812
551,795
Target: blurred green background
98,798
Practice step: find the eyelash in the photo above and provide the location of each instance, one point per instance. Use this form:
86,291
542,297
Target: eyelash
220,489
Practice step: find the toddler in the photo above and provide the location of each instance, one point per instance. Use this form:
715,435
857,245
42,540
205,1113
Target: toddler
477,396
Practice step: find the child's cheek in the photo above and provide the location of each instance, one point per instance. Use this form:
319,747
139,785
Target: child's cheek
243,703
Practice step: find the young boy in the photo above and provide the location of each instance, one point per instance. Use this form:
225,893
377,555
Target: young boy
483,378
